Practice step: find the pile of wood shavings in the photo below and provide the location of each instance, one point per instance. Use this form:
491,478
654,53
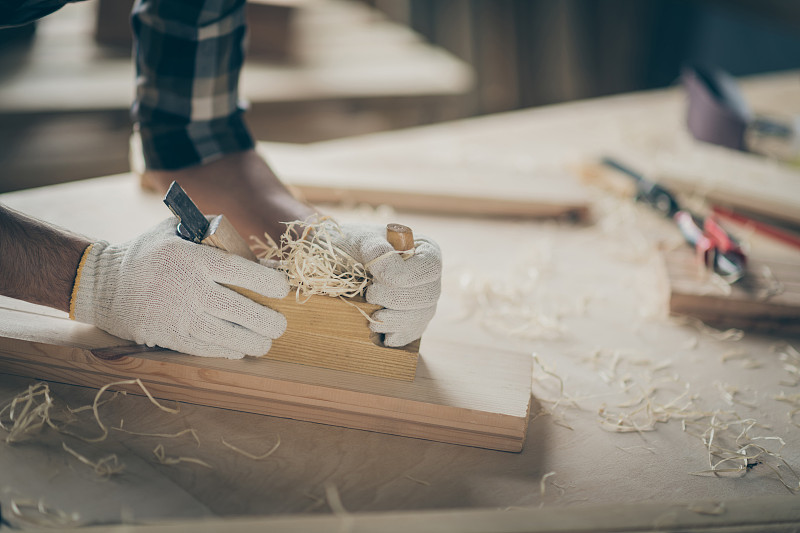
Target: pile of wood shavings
733,450
311,261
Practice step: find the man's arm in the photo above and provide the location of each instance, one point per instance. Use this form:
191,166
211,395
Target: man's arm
38,261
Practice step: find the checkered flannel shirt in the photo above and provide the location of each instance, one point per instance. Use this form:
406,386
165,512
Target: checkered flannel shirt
188,57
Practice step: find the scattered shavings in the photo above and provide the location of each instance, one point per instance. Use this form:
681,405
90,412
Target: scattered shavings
729,394
790,358
36,513
162,458
732,450
100,392
312,263
251,455
105,467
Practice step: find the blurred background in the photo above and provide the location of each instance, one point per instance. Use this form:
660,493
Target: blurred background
325,69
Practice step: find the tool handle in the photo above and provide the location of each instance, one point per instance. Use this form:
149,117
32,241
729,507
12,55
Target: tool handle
221,234
400,237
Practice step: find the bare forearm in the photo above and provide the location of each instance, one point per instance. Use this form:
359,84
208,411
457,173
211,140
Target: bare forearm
38,261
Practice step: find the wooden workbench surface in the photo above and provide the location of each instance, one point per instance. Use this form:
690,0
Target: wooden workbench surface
587,301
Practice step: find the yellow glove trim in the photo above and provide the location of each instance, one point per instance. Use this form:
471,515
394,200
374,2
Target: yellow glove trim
74,294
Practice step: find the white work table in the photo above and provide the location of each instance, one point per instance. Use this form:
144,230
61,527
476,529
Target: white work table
593,299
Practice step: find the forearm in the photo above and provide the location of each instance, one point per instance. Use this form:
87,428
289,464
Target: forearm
38,261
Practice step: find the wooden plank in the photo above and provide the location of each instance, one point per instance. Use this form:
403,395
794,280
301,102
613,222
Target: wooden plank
735,179
767,300
461,394
425,186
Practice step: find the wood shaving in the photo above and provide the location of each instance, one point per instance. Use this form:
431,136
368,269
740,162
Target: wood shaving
252,455
100,392
162,458
105,467
416,480
543,482
311,261
189,431
334,500
27,413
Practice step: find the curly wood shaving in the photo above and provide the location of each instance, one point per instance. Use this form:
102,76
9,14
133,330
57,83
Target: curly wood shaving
416,480
36,513
100,392
105,467
311,261
190,431
543,482
89,406
251,455
27,412
162,458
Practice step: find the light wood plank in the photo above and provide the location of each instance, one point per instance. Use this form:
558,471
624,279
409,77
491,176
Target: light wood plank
766,300
462,394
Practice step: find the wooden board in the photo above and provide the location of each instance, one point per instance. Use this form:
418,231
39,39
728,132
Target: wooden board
462,394
424,185
767,300
734,179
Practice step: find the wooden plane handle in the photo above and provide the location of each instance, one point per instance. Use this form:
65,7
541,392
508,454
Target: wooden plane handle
400,237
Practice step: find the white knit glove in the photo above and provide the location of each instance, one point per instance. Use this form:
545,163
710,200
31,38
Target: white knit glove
407,288
159,289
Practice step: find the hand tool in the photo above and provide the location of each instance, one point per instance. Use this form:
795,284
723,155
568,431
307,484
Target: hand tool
715,247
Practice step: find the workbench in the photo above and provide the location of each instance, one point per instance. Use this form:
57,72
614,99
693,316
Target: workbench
585,300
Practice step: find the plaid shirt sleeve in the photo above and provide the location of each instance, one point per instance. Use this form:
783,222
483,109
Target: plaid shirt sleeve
188,57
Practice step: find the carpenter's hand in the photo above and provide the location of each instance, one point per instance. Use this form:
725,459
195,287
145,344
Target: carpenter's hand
159,289
407,288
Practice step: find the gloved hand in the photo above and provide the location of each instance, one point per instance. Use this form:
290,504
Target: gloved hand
159,289
407,288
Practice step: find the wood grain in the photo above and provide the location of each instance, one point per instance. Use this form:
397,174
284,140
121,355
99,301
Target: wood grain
323,331
461,395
